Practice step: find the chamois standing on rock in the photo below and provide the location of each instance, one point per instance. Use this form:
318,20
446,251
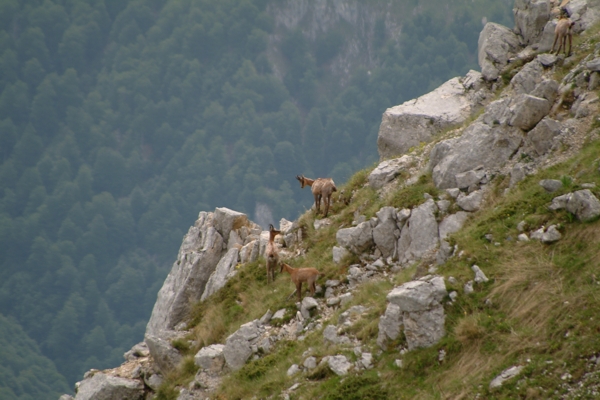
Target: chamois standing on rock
562,32
322,188
300,275
272,254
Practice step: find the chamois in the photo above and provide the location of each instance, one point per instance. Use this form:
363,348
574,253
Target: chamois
272,254
562,32
300,275
321,188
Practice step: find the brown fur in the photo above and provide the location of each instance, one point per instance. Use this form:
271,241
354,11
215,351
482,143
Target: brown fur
322,188
300,275
272,254
562,32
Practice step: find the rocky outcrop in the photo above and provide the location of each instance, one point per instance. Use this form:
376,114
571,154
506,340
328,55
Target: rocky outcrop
531,16
418,120
420,303
102,386
497,44
582,203
201,263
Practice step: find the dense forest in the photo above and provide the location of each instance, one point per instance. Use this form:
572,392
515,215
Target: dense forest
121,120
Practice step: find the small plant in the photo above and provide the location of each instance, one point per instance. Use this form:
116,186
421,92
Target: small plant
567,181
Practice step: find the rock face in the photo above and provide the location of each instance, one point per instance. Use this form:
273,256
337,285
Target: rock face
582,203
495,46
106,387
418,120
201,255
419,235
531,17
423,315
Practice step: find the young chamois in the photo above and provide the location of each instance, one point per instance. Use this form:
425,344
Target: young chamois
272,254
562,32
300,275
321,188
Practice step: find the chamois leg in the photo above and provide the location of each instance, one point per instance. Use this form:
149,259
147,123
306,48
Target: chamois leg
570,38
317,203
299,290
554,44
326,201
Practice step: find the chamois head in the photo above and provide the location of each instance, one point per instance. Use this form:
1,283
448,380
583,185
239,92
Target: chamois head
302,180
273,232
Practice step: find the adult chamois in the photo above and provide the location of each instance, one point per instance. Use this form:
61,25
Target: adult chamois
299,276
562,32
271,254
321,188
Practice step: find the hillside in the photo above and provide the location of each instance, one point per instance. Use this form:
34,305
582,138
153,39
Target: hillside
462,267
121,120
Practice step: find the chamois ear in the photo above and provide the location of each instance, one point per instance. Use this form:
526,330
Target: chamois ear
299,178
271,227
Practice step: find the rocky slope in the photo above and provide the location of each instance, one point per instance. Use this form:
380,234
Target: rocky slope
518,116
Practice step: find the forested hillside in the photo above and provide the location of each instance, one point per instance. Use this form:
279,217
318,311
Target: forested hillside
121,120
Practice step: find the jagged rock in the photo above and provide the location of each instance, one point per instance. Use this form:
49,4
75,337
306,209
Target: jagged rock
385,234
505,375
530,18
444,252
102,386
366,360
479,275
582,203
541,137
238,346
339,253
266,317
339,365
593,65
418,120
227,220
527,78
422,313
495,46
547,60
198,257
549,235
546,89
137,351
154,381
420,233
249,252
468,288
470,202
388,170
527,111
293,370
308,303
452,223
357,239
219,277
330,335
310,363
517,174
165,356
210,358
66,397
469,178
481,144
551,185
389,325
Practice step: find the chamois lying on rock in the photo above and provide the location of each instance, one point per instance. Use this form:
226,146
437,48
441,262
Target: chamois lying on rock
272,254
562,32
322,188
300,275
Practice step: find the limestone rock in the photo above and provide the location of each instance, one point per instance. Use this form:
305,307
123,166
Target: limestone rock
541,137
582,203
531,17
339,365
385,234
418,120
389,325
527,111
219,277
452,223
165,356
388,170
551,185
505,375
495,46
420,233
102,386
470,202
357,239
481,144
210,358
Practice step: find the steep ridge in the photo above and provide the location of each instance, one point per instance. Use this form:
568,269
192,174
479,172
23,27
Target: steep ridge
465,268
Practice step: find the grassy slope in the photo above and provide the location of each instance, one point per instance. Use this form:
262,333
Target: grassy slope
541,311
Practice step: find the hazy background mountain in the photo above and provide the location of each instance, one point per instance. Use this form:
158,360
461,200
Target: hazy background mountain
121,120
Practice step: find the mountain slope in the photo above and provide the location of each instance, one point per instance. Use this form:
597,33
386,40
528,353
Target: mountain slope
534,312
